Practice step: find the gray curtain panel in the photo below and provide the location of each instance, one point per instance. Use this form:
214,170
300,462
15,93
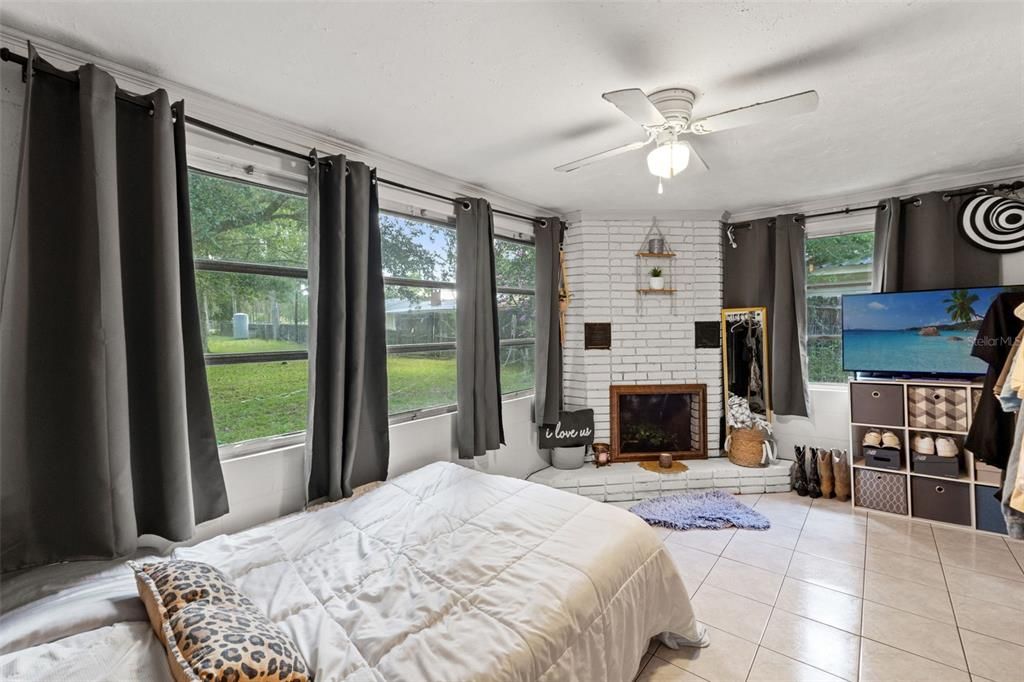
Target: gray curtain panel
788,313
477,356
547,368
767,269
105,431
919,246
347,431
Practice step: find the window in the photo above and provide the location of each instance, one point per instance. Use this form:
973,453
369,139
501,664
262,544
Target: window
836,265
419,290
250,245
250,249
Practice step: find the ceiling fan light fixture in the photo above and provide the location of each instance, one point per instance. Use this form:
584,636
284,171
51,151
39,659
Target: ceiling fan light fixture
668,159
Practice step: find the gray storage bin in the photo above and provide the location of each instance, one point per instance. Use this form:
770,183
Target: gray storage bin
880,404
937,407
881,491
945,501
933,465
988,510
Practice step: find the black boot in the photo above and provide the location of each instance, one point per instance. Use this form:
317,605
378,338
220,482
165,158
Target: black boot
813,479
799,474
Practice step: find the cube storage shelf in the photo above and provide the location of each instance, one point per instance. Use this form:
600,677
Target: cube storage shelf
909,407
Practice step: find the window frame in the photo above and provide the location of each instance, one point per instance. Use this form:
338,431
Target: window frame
289,185
398,349
242,448
846,225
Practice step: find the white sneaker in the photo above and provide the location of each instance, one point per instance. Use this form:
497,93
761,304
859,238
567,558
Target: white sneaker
890,440
946,447
872,438
923,444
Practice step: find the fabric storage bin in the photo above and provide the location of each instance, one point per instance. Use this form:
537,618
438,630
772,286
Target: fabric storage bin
934,465
988,512
986,473
883,458
881,491
937,407
880,404
945,501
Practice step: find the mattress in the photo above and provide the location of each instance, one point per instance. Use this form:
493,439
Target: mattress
447,573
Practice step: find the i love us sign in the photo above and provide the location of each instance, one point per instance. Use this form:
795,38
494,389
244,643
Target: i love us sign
573,428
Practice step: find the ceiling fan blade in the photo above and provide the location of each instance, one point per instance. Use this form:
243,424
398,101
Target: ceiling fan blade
782,107
634,103
697,160
601,156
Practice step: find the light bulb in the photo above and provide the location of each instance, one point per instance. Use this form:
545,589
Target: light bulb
669,159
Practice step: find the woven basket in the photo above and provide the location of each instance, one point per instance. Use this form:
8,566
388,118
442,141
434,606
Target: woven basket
746,447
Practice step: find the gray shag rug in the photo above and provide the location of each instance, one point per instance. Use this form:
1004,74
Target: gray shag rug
713,510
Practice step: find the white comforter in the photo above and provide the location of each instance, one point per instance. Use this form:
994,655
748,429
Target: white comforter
449,574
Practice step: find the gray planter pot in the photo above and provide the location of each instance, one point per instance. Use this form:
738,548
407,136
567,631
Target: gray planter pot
568,458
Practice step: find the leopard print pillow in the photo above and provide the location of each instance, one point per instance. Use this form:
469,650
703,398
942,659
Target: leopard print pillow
211,631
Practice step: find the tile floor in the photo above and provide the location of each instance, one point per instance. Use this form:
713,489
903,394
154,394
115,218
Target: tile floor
830,593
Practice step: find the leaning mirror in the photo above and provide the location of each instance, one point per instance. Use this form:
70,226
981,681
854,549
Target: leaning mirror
745,361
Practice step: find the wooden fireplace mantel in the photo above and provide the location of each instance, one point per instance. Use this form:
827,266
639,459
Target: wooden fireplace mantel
697,390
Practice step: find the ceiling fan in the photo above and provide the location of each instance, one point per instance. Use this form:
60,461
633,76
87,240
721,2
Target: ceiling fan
665,117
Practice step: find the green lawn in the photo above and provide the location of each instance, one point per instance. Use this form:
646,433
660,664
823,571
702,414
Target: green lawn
254,400
225,344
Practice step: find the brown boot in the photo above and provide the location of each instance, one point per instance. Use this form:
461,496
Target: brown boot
825,472
841,474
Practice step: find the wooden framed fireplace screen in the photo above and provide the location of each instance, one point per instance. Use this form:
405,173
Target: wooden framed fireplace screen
647,420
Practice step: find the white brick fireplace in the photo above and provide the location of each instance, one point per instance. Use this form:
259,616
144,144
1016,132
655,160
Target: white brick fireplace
652,343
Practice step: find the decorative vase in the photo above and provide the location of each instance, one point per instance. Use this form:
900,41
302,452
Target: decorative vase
656,245
665,460
657,282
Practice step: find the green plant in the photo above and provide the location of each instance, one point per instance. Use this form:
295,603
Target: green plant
655,272
961,306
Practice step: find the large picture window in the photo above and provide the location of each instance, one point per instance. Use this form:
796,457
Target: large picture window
419,285
250,245
836,265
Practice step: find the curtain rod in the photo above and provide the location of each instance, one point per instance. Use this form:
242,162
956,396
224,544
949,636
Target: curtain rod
914,200
8,56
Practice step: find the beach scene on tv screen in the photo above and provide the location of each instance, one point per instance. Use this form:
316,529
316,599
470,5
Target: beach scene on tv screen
923,332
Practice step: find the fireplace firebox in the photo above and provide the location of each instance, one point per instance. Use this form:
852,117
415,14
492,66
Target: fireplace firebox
648,420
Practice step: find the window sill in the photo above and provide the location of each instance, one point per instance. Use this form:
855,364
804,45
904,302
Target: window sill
259,446
828,388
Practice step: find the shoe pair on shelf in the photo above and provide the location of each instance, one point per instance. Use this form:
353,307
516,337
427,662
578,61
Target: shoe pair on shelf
943,446
887,439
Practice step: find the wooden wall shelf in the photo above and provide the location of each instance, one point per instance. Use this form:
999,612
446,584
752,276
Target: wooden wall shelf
655,291
647,254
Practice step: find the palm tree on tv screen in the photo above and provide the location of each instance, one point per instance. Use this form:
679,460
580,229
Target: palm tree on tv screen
960,306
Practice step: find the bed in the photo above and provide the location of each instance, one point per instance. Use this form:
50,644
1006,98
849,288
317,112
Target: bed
444,573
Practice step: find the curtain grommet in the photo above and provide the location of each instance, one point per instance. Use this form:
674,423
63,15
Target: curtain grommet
466,205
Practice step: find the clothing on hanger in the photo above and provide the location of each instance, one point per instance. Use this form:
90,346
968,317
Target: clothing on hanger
1004,376
991,437
1016,378
1013,485
1009,398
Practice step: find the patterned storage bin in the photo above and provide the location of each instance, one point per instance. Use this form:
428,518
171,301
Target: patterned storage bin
881,491
931,407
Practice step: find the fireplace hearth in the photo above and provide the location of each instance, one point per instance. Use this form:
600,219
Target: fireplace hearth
647,420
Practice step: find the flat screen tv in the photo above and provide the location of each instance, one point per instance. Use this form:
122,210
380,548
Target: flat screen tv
917,333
